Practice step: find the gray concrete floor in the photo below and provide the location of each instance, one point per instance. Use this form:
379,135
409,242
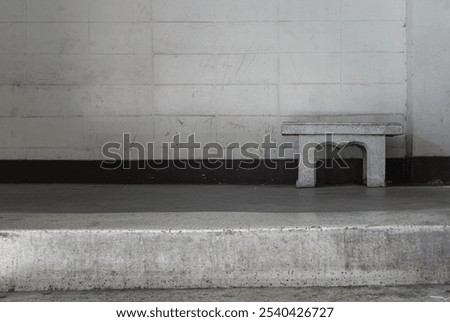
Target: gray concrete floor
422,293
220,207
59,198
184,207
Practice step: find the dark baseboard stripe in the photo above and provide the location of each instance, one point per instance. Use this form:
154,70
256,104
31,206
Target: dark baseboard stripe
429,170
398,171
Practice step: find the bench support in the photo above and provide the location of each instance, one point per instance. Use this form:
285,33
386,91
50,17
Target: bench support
374,157
375,161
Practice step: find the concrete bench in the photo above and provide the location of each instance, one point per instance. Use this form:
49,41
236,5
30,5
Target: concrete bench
370,137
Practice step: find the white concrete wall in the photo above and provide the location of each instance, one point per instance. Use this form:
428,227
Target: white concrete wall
75,74
429,77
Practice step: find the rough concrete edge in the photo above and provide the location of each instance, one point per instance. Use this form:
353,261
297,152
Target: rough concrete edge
406,228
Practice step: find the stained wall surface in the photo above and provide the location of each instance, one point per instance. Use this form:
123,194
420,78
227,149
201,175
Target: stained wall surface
75,74
429,77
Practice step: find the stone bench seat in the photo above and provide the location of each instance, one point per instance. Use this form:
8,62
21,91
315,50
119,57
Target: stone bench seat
370,137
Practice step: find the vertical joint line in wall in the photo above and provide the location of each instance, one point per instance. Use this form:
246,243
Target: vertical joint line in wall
215,62
25,76
278,60
409,61
89,87
26,49
340,47
152,15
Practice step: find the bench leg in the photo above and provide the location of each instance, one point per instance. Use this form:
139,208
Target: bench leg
376,162
364,174
306,166
306,177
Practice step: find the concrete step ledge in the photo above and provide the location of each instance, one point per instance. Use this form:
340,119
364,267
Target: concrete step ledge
238,255
409,293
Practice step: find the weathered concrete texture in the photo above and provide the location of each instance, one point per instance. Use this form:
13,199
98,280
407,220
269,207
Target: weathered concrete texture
371,137
428,113
354,128
56,239
77,74
271,257
418,293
